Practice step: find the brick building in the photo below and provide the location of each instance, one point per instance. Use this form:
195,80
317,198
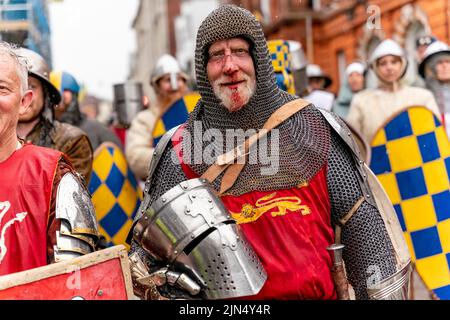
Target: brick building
335,32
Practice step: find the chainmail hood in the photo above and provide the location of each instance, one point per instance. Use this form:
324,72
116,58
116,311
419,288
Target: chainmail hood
303,140
230,21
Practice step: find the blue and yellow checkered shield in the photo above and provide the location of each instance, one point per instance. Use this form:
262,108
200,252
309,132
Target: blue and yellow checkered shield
411,158
177,114
281,62
116,194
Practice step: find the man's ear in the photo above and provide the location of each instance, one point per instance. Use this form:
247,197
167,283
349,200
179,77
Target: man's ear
25,103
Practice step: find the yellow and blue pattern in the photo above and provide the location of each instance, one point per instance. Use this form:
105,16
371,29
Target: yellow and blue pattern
411,158
281,62
116,194
177,114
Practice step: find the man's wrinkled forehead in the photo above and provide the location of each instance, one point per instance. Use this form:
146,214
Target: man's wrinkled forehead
231,42
8,63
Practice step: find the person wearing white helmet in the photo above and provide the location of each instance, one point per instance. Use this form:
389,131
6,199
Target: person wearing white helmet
371,108
435,69
169,83
318,81
354,82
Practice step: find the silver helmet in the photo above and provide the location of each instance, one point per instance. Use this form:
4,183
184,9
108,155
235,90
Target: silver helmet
38,68
315,71
128,101
189,228
437,47
388,47
299,64
167,64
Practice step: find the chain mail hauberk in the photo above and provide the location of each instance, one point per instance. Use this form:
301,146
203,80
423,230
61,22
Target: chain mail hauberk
306,143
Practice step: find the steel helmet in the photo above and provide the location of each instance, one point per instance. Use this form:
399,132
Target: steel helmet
432,50
38,68
299,60
63,80
166,64
314,71
355,67
388,47
425,40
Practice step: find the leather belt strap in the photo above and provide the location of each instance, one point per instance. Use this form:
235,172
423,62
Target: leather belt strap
226,160
341,223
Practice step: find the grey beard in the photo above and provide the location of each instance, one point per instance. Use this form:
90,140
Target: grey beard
248,91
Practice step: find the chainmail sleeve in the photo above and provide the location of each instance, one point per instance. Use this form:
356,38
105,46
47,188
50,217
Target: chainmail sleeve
368,248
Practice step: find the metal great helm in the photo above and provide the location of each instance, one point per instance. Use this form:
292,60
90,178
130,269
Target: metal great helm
38,68
189,228
167,65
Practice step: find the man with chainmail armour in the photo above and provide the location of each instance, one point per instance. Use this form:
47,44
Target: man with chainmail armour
275,245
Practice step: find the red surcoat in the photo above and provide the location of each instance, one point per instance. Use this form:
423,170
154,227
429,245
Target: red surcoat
26,182
289,230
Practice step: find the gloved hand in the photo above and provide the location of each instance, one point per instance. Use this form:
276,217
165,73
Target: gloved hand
146,285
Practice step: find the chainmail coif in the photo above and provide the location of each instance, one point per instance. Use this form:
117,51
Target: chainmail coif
304,150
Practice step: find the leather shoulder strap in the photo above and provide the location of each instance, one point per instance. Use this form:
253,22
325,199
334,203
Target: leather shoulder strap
226,160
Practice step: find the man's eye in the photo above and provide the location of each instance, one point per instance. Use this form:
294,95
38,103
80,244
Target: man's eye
216,56
240,52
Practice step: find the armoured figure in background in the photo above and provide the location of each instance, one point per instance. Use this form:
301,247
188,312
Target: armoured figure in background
354,82
38,125
169,83
46,214
68,111
435,68
318,194
318,82
370,108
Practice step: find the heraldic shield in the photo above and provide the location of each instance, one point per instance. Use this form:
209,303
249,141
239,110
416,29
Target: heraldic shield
101,275
282,65
116,194
177,114
411,158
